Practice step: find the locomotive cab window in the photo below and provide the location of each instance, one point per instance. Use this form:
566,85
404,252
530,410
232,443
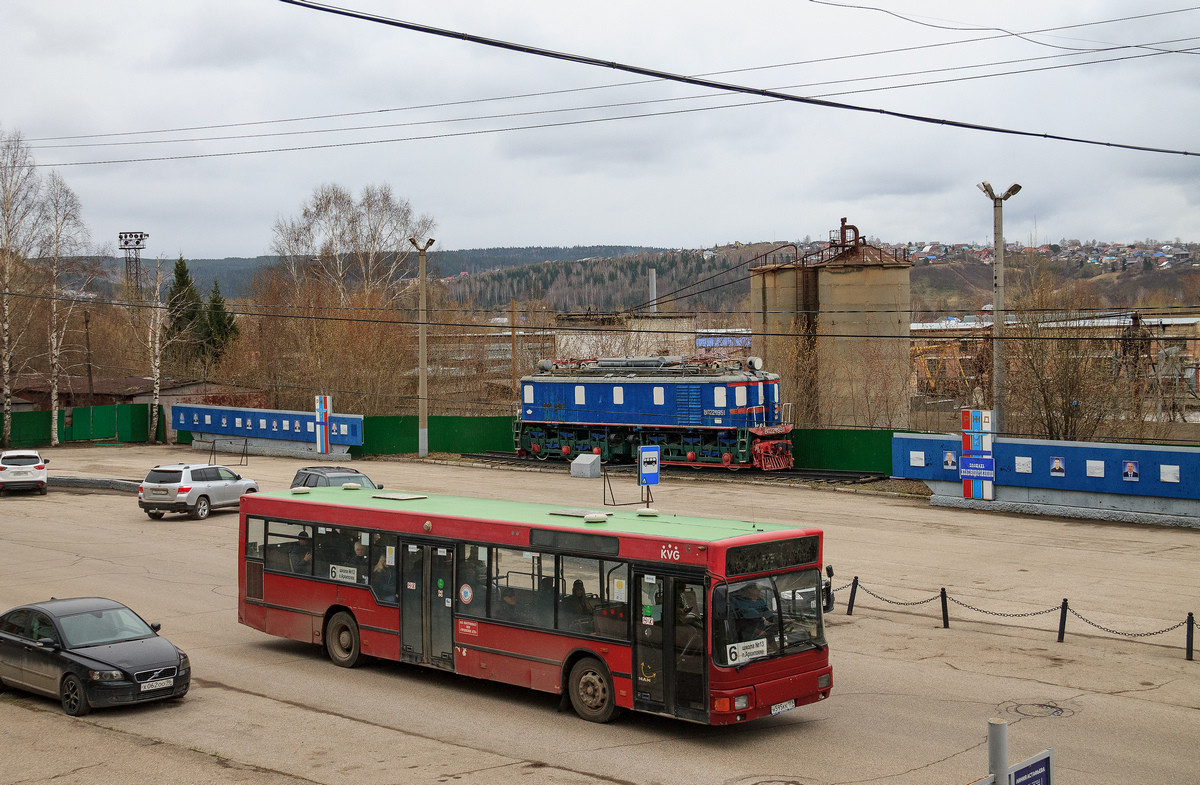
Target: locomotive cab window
529,393
719,397
618,395
760,393
579,394
659,397
739,396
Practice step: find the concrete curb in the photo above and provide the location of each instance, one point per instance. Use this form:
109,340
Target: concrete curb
129,486
1065,511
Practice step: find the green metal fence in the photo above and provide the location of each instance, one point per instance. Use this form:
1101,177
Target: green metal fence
843,449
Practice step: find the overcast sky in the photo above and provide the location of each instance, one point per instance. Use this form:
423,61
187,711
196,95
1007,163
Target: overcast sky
770,171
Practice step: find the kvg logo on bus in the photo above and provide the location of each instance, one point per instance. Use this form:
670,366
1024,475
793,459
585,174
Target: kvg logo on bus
669,553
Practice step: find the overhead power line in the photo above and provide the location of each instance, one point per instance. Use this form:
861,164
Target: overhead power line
791,64
708,83
593,107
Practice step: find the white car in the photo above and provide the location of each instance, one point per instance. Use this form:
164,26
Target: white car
24,470
195,489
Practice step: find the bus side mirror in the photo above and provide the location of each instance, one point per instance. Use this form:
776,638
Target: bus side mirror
829,570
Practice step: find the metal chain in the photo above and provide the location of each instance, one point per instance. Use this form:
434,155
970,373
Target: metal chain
847,586
1005,615
897,602
1125,634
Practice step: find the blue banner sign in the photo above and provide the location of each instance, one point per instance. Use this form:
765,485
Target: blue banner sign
977,467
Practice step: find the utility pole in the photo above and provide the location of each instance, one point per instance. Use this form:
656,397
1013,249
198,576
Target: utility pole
998,364
422,359
512,321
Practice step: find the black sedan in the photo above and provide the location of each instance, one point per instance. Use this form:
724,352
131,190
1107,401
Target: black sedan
89,652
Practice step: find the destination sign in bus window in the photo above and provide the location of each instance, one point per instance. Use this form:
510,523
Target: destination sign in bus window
768,556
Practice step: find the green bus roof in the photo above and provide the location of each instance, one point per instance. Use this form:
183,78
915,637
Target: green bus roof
620,520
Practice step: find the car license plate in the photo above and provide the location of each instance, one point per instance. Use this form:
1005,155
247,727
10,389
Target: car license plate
779,708
159,684
158,492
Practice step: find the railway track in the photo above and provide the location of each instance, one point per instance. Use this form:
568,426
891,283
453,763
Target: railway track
791,475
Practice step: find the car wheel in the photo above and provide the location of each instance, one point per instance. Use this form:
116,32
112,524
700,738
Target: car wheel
591,691
43,490
73,696
202,509
342,641
155,515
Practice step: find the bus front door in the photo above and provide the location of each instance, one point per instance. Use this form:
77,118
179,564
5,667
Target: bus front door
669,660
426,605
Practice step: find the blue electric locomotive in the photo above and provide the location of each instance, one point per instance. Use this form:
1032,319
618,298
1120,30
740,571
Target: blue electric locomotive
701,412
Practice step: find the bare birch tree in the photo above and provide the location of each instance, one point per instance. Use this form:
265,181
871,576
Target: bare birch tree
20,218
347,244
64,246
148,323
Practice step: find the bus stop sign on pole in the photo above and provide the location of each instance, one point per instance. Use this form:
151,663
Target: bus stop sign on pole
648,460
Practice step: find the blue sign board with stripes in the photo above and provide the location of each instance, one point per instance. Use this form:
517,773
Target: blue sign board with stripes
291,426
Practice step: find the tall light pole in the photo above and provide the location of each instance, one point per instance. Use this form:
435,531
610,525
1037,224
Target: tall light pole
422,359
998,364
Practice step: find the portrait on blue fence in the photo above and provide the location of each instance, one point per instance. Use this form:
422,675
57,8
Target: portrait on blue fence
950,460
1130,472
1058,468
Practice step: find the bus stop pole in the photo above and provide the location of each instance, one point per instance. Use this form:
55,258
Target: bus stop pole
998,750
422,359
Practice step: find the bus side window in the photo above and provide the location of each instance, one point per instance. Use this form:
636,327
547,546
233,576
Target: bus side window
520,592
383,567
256,537
289,548
471,598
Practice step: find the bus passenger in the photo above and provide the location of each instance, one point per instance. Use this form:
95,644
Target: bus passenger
507,609
301,554
360,561
383,578
576,610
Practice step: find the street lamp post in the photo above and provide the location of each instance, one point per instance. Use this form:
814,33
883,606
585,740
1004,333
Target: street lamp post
998,365
422,359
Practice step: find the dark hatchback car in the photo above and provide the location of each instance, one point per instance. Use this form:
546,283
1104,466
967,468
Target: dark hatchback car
89,652
335,476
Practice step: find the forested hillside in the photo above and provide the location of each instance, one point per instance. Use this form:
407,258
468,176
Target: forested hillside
613,284
477,260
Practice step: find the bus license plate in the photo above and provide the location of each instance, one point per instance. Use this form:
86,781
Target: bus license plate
163,683
779,708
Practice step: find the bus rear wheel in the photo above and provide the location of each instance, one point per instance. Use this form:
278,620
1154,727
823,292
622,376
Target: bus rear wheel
342,641
591,691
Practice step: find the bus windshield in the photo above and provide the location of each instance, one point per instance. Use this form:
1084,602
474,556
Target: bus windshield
767,617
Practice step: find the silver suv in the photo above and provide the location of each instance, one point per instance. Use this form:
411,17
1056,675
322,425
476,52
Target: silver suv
194,489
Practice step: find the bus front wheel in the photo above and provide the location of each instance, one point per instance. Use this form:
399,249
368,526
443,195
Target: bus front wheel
591,691
342,641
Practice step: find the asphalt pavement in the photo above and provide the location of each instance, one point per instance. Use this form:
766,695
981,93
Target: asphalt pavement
910,702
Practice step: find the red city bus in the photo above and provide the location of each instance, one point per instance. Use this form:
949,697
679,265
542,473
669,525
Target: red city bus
711,621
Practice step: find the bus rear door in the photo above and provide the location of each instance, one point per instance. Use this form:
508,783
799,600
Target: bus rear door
670,656
426,605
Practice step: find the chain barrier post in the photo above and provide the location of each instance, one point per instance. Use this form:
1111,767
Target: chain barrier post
1191,625
998,750
853,591
1062,621
945,611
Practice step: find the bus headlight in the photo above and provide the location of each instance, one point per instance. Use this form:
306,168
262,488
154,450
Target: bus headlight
824,680
741,702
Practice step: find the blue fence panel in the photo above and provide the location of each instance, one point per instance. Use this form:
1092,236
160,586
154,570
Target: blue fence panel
1096,467
238,422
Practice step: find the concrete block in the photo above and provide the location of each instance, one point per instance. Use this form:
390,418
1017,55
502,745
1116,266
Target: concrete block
586,466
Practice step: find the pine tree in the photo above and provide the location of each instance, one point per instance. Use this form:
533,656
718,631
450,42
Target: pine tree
219,327
184,310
